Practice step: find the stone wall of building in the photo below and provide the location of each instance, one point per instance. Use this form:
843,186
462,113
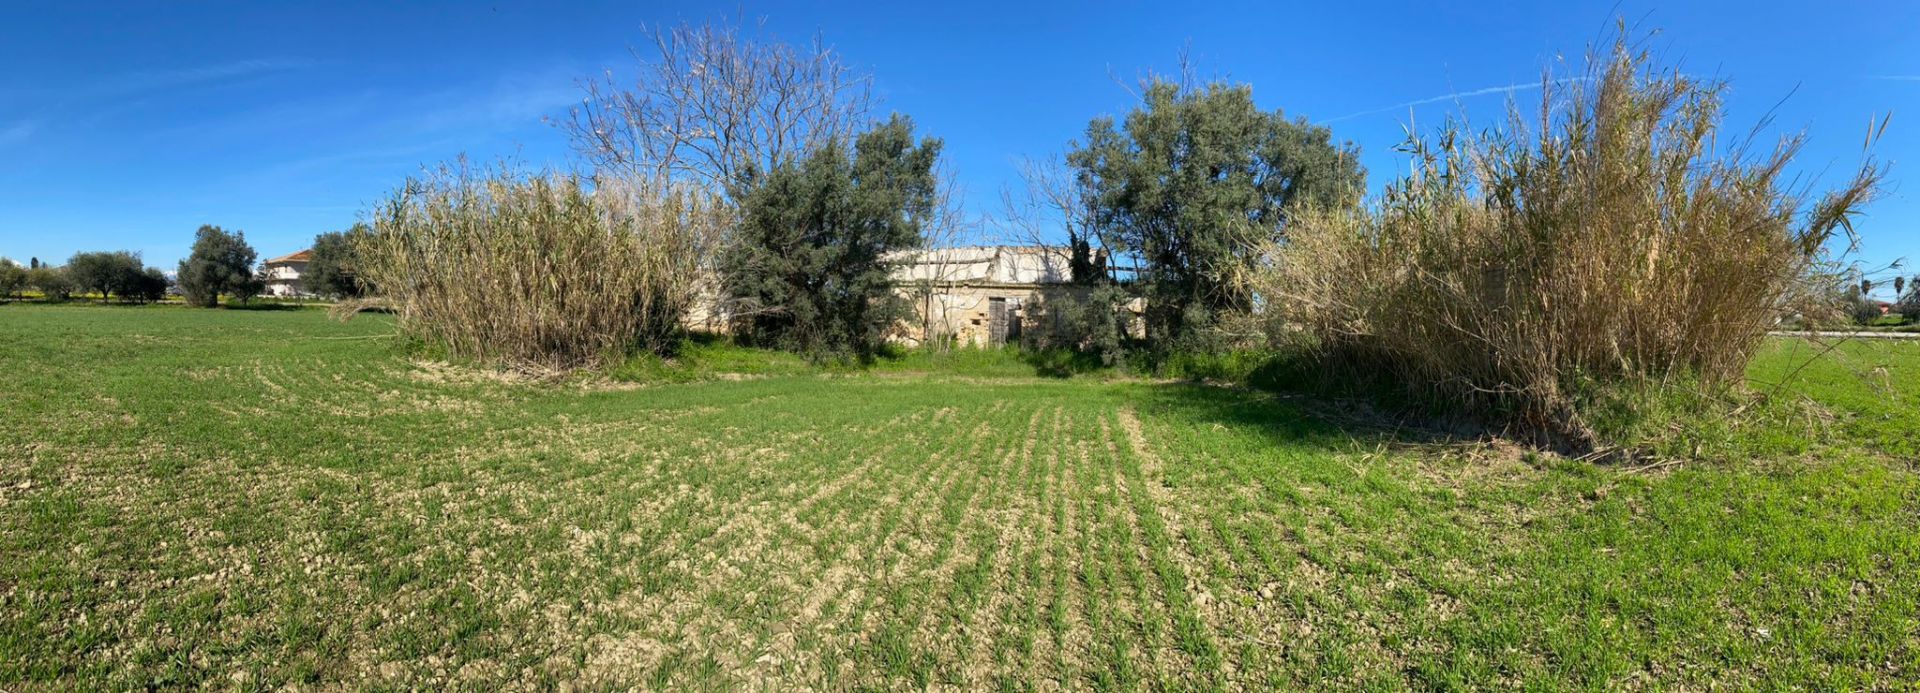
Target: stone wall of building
954,293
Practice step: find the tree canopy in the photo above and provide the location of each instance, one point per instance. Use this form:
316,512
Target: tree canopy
52,282
810,270
1192,181
221,263
13,277
716,106
331,271
115,273
148,286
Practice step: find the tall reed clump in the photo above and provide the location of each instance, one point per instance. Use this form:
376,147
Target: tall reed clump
1600,244
550,271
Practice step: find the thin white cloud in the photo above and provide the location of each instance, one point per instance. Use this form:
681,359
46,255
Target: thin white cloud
1455,96
18,132
111,95
504,103
512,101
125,84
158,79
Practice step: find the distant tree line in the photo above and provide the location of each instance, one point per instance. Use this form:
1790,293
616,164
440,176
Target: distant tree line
116,275
221,264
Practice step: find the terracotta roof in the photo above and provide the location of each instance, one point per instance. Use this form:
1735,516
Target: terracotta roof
302,256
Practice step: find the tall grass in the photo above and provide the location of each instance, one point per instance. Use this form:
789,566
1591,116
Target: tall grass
1604,242
545,270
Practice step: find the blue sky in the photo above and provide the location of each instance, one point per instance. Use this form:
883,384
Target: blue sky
127,125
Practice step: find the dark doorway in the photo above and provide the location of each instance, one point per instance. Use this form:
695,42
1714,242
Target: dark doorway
1003,321
996,321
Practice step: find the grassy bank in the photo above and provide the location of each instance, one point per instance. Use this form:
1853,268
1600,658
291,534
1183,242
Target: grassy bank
262,498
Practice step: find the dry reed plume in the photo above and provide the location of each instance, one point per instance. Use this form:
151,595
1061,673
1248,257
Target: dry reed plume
1604,240
550,270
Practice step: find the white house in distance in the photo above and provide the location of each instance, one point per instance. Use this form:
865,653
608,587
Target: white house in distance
283,274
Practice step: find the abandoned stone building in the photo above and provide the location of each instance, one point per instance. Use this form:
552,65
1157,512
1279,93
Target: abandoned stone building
979,295
972,296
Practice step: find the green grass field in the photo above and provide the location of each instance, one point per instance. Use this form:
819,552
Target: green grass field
263,498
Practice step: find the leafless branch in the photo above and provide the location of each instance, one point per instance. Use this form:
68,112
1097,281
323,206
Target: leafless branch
1054,205
934,267
712,105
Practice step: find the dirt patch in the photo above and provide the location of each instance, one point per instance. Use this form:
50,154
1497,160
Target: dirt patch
443,373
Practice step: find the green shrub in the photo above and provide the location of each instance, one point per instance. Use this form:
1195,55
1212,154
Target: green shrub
971,361
1093,323
1861,309
708,357
1908,307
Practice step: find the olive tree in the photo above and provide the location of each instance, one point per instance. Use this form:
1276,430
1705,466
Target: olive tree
818,242
109,274
52,282
148,286
13,277
1193,182
221,263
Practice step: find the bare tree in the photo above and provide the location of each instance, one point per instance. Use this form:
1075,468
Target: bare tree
711,105
934,268
1055,202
